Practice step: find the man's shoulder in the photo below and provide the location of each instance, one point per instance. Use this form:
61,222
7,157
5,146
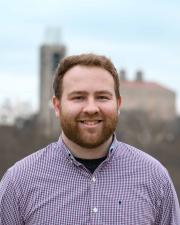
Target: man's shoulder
34,162
139,159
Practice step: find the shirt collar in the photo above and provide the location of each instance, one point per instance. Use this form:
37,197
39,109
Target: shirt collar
62,146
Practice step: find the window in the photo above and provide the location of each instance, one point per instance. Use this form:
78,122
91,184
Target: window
55,60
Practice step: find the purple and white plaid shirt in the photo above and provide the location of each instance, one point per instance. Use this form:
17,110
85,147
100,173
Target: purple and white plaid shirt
50,187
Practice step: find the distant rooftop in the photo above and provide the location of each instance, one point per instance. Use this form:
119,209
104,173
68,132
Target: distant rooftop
139,81
143,84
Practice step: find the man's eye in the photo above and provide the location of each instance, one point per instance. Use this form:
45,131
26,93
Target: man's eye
102,97
78,98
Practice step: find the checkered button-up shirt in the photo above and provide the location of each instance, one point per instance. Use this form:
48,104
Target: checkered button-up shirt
50,187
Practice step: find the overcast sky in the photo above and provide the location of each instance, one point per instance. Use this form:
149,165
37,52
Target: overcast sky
135,34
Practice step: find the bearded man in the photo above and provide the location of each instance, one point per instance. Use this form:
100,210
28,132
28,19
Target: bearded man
88,176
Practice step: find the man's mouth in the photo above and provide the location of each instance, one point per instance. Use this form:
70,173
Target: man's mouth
90,122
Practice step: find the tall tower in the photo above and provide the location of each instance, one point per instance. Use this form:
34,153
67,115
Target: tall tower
50,55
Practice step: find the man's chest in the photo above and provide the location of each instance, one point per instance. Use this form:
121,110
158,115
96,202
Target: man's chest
95,201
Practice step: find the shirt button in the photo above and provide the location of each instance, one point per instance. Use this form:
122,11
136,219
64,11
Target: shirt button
93,179
95,210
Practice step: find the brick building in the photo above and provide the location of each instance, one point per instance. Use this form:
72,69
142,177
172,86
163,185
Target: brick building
158,101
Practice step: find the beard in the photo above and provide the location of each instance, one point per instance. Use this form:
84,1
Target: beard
88,138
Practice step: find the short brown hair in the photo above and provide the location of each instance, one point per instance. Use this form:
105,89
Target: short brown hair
85,60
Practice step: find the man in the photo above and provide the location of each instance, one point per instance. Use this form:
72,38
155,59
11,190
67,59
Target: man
87,176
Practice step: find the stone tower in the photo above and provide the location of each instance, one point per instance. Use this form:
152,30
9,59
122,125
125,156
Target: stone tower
50,55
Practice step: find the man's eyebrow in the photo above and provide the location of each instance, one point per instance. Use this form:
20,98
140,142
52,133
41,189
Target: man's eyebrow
77,93
104,92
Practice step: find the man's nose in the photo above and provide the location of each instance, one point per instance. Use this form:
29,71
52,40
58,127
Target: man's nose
91,107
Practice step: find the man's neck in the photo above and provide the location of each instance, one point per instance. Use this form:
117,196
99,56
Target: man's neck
87,153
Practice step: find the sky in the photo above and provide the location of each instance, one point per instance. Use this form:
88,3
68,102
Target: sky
135,34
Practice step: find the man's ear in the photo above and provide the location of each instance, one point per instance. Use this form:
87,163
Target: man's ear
56,105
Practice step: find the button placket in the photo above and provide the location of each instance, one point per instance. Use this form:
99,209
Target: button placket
94,200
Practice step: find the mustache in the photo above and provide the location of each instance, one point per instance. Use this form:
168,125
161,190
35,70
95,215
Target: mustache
90,117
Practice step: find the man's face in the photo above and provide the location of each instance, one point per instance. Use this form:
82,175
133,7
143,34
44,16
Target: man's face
88,108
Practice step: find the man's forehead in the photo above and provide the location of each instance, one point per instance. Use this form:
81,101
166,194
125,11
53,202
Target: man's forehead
88,79
86,69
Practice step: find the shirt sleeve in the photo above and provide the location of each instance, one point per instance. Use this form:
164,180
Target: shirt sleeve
169,211
9,208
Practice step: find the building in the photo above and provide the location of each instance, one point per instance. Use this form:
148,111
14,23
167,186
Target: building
50,55
140,95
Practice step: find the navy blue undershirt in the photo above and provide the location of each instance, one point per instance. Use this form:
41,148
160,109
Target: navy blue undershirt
91,164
